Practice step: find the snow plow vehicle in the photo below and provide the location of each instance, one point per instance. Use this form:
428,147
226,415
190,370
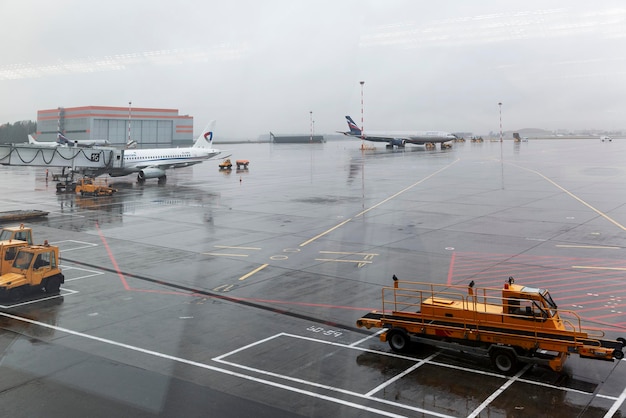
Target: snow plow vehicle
513,324
35,268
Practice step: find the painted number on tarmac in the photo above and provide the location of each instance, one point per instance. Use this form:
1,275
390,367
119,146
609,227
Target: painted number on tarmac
324,331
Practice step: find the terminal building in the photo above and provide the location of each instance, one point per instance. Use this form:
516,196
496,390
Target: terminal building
149,128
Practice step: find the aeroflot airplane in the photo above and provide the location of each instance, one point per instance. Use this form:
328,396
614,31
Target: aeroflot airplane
152,163
399,138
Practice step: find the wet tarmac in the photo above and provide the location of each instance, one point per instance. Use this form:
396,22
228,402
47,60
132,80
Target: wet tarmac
235,293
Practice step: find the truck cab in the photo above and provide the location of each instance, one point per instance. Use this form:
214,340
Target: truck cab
8,251
528,302
17,233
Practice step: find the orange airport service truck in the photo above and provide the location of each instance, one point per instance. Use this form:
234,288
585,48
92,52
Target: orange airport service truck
513,324
35,268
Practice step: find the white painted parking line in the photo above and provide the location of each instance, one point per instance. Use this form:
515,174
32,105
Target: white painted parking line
220,359
497,393
365,396
72,245
400,375
361,341
428,360
616,405
205,366
63,292
92,273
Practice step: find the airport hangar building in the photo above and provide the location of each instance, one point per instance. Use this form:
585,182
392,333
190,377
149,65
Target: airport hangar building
150,128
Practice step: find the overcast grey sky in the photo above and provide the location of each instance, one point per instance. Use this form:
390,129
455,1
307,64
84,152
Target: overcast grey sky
257,66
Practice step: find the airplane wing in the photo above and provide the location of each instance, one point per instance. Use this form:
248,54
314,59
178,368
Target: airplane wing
430,139
398,142
167,166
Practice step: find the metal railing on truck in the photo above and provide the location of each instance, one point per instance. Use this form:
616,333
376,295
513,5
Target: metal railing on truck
405,302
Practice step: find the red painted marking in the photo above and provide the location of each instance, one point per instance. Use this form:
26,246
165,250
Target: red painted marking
590,288
163,292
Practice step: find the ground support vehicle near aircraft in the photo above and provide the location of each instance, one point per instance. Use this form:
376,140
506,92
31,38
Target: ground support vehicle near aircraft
87,187
242,164
515,324
66,186
226,164
36,267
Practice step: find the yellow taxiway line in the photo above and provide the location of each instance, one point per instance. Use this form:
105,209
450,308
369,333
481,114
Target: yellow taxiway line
256,270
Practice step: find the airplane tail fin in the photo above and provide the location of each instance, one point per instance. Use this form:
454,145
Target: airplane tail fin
31,140
205,140
354,129
63,140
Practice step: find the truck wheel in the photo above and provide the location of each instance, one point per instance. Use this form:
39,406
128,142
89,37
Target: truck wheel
504,361
618,354
53,285
16,294
398,340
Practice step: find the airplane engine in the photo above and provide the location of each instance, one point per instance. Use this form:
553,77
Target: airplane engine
150,173
398,142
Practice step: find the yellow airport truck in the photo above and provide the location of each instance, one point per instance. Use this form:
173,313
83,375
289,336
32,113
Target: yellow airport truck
35,268
225,165
513,324
86,186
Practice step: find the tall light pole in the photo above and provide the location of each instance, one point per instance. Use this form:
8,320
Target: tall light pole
501,155
500,106
311,125
362,151
362,134
129,116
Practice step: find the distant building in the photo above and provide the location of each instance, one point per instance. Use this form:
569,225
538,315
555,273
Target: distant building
156,128
296,139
